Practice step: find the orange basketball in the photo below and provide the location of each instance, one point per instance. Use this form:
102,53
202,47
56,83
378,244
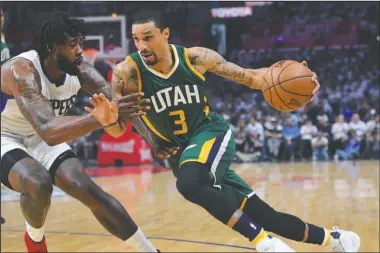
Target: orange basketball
287,85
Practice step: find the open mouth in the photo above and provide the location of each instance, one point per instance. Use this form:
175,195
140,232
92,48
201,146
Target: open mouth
147,56
79,61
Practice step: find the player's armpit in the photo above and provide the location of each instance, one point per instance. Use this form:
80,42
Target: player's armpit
26,88
205,59
92,81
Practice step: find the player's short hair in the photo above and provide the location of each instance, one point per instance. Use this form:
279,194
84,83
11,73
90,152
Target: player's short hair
55,31
147,16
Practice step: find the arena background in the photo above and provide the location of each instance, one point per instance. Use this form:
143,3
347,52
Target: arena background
339,41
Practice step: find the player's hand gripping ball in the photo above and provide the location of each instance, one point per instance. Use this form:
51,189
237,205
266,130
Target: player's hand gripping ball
288,85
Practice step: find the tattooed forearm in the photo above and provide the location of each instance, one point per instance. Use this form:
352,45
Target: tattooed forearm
92,81
205,59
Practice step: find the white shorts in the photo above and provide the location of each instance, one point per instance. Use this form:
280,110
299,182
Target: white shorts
34,145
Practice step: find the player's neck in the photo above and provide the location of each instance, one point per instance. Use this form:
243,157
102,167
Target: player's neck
50,68
166,62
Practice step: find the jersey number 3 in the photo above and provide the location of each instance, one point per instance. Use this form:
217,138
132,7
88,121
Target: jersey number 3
180,121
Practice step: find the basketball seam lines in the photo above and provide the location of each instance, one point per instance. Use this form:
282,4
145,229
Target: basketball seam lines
269,90
288,81
271,73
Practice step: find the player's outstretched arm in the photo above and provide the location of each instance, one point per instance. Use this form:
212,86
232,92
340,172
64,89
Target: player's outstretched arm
92,81
207,60
26,88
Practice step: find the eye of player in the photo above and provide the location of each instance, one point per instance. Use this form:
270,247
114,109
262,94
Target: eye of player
147,38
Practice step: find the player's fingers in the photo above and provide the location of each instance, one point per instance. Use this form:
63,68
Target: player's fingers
88,109
145,108
102,97
145,101
92,102
97,98
131,97
317,87
114,108
131,112
173,151
144,105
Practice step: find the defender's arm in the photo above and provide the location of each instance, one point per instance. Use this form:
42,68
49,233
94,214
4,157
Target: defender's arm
205,59
36,108
93,82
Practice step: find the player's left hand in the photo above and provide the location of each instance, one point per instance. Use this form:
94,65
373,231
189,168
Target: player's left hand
314,78
104,111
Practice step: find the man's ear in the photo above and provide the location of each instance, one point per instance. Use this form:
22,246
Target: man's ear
166,33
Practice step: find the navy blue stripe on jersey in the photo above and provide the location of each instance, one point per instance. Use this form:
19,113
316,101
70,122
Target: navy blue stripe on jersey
215,148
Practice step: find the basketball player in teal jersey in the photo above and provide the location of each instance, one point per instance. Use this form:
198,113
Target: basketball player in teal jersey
172,77
5,54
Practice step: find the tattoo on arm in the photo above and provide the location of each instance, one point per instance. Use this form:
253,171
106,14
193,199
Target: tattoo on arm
213,62
124,82
33,105
92,81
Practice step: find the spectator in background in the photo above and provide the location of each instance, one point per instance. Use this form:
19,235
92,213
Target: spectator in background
308,131
323,125
351,150
357,127
320,147
5,54
372,138
254,127
339,132
291,134
240,137
273,138
255,134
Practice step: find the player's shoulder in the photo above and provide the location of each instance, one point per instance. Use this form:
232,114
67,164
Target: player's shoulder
19,65
126,66
197,51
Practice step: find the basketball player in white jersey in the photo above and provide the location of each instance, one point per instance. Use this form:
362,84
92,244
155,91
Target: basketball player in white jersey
40,86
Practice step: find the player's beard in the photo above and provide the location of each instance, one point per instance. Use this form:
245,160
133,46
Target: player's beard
70,68
153,61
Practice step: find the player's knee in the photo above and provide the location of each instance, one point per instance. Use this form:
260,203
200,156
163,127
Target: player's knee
39,186
187,187
191,177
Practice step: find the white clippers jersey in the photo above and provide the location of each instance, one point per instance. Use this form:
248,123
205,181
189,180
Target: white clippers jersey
61,99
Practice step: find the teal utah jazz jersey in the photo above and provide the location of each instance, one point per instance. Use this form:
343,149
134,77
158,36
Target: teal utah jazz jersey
178,104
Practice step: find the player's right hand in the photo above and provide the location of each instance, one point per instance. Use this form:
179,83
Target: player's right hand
126,107
132,106
164,152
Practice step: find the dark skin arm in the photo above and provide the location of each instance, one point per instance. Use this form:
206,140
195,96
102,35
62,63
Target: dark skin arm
26,88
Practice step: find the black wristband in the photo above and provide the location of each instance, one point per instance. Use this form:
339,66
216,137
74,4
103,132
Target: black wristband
112,124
